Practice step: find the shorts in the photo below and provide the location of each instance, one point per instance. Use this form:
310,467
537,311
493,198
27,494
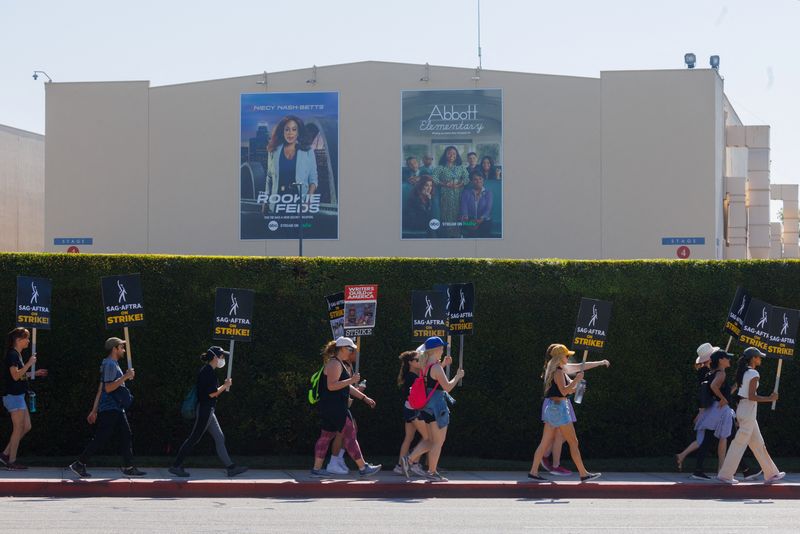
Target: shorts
14,402
409,414
557,414
548,401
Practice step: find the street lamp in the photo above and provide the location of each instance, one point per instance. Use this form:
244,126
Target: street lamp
36,74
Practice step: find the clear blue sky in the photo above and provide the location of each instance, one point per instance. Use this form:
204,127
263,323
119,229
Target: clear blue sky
175,41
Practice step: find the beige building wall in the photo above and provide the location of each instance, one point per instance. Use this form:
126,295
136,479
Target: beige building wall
21,190
172,153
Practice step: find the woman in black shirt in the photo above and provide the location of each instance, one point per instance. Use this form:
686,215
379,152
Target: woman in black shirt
415,420
208,389
14,399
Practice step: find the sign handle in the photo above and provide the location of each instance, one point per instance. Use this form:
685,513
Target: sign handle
230,358
128,350
585,357
447,371
777,381
358,353
461,357
728,346
33,352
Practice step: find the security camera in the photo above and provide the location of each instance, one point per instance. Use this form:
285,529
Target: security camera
35,76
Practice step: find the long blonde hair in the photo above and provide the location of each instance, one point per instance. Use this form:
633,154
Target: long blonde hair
328,351
551,364
427,357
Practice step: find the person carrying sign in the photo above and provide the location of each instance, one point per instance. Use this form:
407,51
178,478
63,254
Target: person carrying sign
415,420
336,385
558,416
14,399
110,404
208,390
749,434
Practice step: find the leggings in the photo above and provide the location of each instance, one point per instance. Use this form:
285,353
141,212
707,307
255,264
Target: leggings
206,420
108,422
349,441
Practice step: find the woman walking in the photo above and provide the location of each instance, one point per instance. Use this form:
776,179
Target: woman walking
14,399
415,420
701,367
749,434
558,416
336,385
716,421
208,391
437,387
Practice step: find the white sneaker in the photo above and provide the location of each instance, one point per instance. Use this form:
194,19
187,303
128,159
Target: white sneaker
774,478
727,480
418,470
337,466
398,470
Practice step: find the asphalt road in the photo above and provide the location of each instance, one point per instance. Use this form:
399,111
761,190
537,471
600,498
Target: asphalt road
385,516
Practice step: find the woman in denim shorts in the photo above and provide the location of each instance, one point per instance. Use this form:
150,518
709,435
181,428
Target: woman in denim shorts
415,420
558,414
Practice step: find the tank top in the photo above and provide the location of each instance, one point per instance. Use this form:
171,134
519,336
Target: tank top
329,397
430,382
553,391
725,388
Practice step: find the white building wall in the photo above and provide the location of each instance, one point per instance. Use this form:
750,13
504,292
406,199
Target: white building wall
21,190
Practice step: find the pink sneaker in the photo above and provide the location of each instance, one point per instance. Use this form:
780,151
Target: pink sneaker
548,466
561,471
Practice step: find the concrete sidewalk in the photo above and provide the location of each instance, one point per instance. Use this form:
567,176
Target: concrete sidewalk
298,484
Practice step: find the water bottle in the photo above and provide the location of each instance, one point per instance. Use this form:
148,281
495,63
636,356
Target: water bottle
31,402
579,391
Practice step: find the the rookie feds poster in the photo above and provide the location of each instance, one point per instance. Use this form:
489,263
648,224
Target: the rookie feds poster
289,165
451,164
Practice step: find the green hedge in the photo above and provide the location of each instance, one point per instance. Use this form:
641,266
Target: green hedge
641,406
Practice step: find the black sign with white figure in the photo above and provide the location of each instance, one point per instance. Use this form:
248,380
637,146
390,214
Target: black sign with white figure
782,332
591,328
462,308
737,313
33,302
757,320
122,300
428,314
336,313
233,314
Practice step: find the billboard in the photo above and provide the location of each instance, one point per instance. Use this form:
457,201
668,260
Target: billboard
289,166
452,164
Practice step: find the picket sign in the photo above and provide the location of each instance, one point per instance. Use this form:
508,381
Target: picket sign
33,352
230,358
461,357
128,350
777,381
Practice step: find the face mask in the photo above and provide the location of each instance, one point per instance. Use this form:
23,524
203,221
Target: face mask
220,363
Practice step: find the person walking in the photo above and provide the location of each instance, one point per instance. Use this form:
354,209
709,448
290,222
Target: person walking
208,391
111,400
701,366
16,383
749,433
716,421
437,388
558,417
415,420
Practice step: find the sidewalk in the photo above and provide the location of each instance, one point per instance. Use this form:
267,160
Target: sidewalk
54,482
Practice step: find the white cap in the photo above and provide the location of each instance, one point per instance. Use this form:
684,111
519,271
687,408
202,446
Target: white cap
704,353
345,342
421,348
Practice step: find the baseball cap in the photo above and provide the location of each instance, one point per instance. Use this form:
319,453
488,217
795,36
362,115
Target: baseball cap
345,342
558,350
704,353
114,342
434,342
750,352
215,351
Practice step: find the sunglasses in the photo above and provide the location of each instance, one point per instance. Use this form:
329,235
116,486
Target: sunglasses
351,349
414,359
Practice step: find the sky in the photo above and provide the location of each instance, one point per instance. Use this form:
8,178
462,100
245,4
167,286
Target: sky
176,41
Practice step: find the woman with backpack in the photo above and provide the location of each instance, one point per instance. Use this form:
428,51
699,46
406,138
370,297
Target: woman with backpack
749,434
415,420
558,415
336,385
433,387
208,391
701,367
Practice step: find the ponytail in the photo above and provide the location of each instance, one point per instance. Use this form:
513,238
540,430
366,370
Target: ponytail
741,369
328,351
405,366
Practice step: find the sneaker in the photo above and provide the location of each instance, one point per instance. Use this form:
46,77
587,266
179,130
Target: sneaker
698,475
4,459
79,469
336,466
751,474
404,464
418,470
179,472
435,477
774,478
536,478
560,471
398,470
133,472
727,480
369,470
14,466
591,476
547,464
236,470
320,473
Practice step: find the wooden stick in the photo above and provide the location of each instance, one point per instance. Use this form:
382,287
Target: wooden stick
358,353
777,381
128,350
585,357
447,371
33,352
728,346
230,358
461,357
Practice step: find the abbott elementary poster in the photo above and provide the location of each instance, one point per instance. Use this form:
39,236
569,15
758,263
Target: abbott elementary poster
289,166
452,164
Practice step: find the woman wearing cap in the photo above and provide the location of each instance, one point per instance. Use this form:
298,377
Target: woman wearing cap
701,366
749,434
14,399
437,386
558,417
717,420
415,420
336,385
208,390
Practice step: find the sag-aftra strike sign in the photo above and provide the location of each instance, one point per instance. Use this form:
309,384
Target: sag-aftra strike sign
233,314
122,300
33,302
591,328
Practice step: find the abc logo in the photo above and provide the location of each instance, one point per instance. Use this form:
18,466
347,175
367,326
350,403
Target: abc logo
434,224
273,225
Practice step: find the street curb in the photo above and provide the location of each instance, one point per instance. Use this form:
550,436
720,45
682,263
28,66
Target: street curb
385,490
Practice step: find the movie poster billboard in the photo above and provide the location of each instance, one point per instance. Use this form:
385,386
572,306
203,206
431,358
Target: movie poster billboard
289,147
452,164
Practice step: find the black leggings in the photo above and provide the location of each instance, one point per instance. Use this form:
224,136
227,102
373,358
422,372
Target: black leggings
206,420
107,423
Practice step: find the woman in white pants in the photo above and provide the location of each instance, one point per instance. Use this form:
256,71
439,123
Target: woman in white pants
749,434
